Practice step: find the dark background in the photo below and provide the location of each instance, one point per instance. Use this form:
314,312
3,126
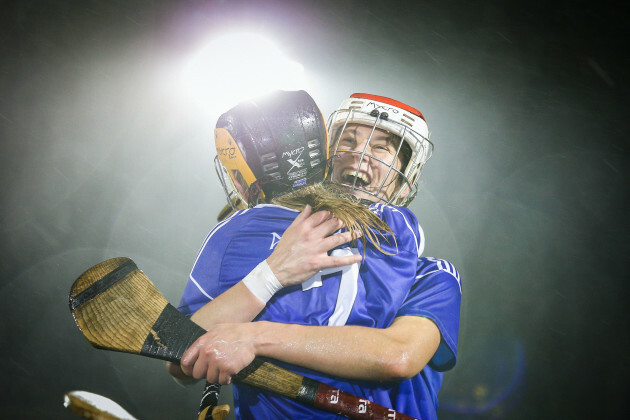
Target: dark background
526,192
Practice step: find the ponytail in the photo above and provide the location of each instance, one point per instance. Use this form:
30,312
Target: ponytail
344,206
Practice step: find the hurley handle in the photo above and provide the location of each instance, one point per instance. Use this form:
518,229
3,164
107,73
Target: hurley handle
118,308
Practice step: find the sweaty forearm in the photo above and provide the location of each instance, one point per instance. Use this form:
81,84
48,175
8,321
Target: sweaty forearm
236,304
351,352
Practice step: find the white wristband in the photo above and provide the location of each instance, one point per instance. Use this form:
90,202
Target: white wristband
262,282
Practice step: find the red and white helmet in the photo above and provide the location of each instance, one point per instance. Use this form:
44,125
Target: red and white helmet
397,118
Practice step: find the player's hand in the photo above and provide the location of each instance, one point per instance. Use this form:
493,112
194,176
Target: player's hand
220,353
178,374
303,249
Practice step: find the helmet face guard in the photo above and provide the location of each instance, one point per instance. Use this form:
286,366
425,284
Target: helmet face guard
269,146
402,123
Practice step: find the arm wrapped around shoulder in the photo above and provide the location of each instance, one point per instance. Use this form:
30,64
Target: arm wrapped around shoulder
262,282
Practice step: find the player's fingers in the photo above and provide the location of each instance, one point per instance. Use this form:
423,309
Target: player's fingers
212,374
340,261
225,378
307,220
347,236
304,214
337,239
328,227
316,219
200,369
188,359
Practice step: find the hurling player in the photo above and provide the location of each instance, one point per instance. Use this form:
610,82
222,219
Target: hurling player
385,325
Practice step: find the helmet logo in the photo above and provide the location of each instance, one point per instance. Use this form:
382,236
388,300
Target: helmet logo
294,157
384,108
299,183
229,152
297,163
293,152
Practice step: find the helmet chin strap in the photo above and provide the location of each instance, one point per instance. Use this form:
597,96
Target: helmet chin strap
255,189
365,202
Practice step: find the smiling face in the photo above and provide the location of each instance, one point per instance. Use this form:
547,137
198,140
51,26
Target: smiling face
370,174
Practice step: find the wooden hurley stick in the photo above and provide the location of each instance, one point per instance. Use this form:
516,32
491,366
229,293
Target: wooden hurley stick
117,308
93,406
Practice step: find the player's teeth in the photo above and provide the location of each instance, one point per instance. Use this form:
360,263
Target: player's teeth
353,173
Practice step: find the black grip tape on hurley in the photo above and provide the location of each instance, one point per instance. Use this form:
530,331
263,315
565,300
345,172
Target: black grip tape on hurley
171,335
103,284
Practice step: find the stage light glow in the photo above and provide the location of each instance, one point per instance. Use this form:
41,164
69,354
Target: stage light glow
237,66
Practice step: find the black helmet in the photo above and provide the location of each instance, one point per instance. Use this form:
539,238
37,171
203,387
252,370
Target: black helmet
270,145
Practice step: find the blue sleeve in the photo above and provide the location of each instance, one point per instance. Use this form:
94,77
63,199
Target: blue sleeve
404,225
204,283
231,250
436,294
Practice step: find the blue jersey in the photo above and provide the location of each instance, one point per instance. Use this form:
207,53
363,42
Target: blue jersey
371,294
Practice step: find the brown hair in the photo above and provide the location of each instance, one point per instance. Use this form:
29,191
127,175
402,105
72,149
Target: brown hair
344,206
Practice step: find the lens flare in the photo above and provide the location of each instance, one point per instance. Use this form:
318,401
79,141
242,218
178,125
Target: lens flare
238,66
